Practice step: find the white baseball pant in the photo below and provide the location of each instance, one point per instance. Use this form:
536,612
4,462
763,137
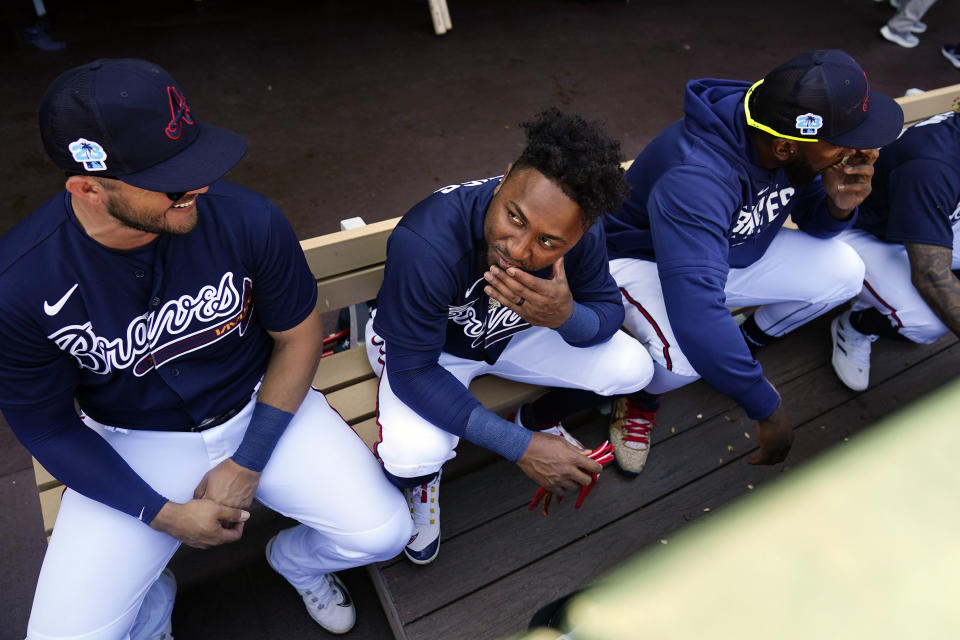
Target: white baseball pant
101,562
798,278
909,14
410,446
887,285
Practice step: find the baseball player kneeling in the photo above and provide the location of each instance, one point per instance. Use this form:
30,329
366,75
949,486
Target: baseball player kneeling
908,235
507,276
178,313
703,230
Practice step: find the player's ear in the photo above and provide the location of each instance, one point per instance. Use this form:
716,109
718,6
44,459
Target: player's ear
503,177
87,188
784,150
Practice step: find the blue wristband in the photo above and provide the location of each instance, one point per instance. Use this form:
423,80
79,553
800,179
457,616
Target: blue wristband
488,430
266,426
581,326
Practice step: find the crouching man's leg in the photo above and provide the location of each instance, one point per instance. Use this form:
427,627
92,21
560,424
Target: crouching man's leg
889,306
413,452
323,475
633,417
798,279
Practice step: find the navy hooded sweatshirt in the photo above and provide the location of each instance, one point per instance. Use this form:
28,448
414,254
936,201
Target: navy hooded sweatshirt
701,204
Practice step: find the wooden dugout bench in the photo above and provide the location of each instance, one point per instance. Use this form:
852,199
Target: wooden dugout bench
348,266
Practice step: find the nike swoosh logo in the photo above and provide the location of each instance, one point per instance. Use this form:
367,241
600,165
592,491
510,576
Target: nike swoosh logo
344,594
54,309
470,290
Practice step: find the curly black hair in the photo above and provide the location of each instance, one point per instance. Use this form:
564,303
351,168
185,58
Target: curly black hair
579,157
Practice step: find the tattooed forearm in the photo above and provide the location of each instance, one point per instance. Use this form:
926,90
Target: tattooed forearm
931,275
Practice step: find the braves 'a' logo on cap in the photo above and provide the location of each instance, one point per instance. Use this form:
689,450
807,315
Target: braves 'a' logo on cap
809,124
179,113
88,153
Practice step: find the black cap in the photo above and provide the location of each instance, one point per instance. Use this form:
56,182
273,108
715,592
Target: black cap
128,119
825,95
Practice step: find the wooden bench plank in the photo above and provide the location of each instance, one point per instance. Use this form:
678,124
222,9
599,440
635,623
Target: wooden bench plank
342,369
348,289
49,506
44,479
503,396
369,431
356,402
929,103
343,251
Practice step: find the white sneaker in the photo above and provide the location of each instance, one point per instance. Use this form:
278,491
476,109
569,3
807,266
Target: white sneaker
328,603
918,27
424,503
851,353
905,40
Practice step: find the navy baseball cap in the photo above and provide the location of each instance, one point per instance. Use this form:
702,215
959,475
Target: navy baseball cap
128,119
823,95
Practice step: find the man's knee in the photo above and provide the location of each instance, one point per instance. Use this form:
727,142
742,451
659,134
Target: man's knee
413,453
848,270
629,367
383,542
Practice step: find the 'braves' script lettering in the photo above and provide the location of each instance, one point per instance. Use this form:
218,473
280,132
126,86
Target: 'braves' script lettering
161,332
751,220
501,323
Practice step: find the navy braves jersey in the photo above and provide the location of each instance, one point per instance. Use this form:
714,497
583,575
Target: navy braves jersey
700,205
916,185
432,296
157,338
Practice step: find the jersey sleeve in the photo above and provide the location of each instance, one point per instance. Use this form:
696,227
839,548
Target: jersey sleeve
33,371
923,196
285,291
412,311
690,212
414,299
37,384
82,460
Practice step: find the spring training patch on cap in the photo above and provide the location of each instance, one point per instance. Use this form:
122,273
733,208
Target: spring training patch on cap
809,124
90,154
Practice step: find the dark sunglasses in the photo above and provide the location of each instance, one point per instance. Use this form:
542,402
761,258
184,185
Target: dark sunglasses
173,195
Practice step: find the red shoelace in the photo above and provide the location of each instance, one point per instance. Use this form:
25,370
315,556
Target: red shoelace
638,425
